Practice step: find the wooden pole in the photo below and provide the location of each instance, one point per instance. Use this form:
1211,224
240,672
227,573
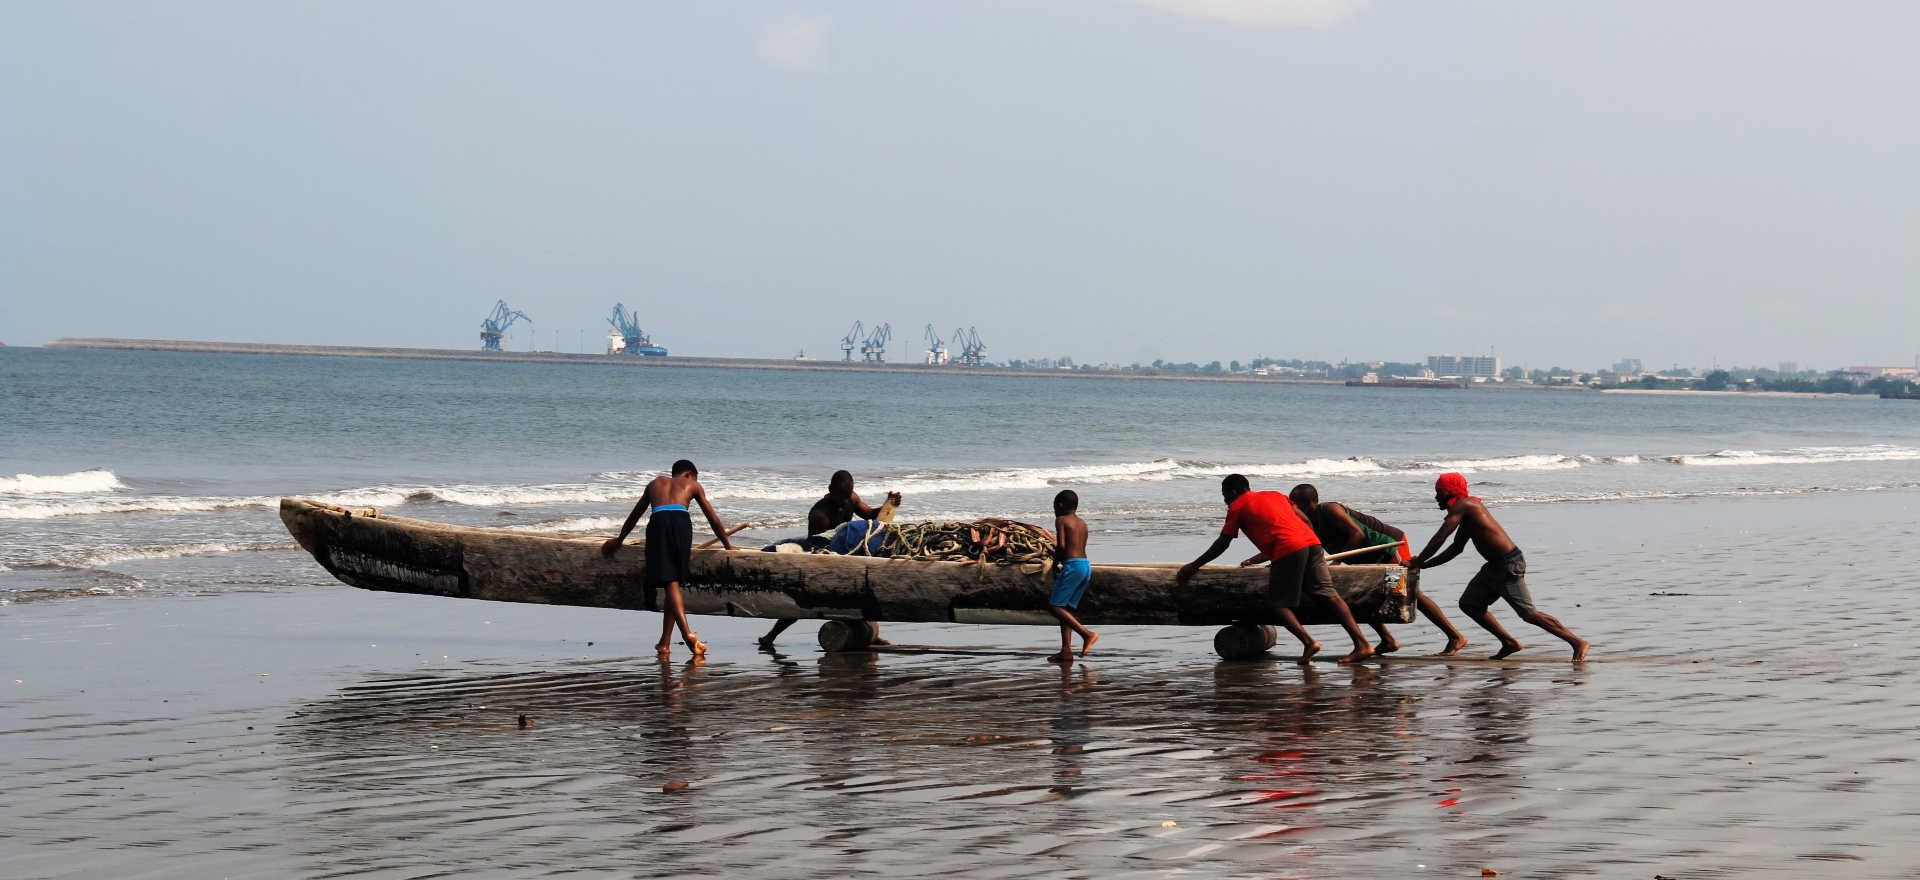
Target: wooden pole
1357,552
712,541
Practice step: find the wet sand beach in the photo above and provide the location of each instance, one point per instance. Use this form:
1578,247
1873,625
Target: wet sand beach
1745,713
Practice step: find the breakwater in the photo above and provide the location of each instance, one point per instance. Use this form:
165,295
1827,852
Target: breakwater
675,361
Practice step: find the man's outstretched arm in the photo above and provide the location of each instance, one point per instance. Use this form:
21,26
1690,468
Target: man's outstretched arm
1187,571
1459,544
713,519
1447,527
613,544
1347,532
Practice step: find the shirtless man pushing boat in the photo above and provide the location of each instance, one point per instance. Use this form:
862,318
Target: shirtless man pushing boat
1341,528
1299,564
1504,576
670,546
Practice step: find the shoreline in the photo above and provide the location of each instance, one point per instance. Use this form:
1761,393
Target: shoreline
1682,392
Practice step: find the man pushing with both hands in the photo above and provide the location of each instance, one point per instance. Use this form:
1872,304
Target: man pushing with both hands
1504,576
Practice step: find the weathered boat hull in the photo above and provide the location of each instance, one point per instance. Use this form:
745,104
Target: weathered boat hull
374,551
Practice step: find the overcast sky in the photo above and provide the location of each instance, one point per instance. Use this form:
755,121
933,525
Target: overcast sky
1682,182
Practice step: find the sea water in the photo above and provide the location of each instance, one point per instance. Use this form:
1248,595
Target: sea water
191,695
111,456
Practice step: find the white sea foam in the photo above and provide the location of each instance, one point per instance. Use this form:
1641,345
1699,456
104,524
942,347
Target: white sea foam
995,480
578,524
31,498
1798,455
93,481
506,496
1505,463
111,556
157,504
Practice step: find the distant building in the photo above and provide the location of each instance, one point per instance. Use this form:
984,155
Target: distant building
1789,369
1451,365
1629,366
1871,373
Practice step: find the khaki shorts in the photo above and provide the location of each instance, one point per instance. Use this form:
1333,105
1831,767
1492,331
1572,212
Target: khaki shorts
1502,579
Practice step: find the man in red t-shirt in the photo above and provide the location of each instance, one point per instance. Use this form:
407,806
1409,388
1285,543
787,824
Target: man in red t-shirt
1299,565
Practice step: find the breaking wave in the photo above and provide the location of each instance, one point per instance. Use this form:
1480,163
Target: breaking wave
28,497
503,496
92,481
1798,455
53,509
111,556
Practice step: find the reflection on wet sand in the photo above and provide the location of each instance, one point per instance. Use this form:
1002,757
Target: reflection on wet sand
931,764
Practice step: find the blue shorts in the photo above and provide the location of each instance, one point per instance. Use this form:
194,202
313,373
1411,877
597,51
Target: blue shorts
1071,583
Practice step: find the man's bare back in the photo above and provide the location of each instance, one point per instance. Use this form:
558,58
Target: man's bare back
674,490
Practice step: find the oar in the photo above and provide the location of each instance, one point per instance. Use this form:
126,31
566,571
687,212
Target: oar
715,540
1364,550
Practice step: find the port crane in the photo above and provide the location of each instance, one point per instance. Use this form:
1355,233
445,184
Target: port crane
850,341
496,324
973,352
936,348
874,350
634,340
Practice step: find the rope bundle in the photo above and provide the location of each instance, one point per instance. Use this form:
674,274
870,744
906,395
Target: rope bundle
1001,541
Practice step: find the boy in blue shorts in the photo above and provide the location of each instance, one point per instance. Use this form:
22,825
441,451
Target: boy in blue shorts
1071,583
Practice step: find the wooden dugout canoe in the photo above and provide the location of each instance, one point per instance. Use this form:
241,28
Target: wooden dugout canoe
371,550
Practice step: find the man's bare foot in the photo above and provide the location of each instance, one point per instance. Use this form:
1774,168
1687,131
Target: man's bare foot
1062,657
765,643
1094,637
879,643
1453,647
1306,654
1360,653
1387,645
699,648
1506,649
663,650
1580,650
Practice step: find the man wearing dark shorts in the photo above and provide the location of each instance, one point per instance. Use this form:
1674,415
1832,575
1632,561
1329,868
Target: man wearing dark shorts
1342,529
1504,576
669,546
1299,564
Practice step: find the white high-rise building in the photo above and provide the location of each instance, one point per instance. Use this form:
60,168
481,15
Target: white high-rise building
1472,367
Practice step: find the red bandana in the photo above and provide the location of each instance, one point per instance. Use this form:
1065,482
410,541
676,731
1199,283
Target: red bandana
1453,486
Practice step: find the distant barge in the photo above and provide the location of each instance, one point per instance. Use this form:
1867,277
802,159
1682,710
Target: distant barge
1404,383
1900,395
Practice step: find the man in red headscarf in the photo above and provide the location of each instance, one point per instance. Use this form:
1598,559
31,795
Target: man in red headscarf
1504,576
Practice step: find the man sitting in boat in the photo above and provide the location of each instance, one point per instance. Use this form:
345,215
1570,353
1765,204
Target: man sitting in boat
828,519
1341,528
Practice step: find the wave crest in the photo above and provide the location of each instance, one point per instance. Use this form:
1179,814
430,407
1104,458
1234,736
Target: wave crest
1798,455
92,481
